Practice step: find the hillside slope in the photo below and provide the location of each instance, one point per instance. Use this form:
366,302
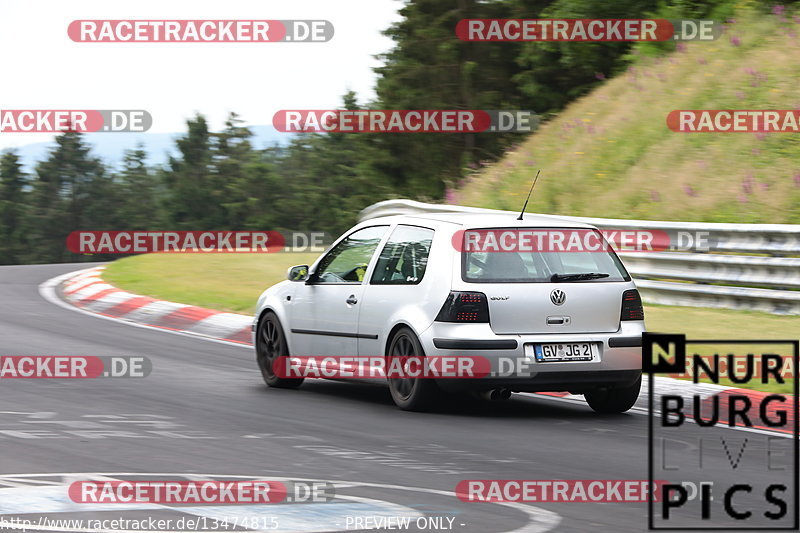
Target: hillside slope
610,154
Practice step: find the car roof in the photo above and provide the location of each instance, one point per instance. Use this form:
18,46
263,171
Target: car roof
485,220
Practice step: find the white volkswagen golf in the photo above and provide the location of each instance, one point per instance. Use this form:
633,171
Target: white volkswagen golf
546,292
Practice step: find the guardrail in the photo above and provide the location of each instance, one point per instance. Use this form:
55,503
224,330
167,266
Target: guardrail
710,276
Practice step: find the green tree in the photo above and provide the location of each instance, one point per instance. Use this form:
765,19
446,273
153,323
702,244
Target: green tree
71,191
12,208
329,178
554,73
138,191
194,196
429,68
251,189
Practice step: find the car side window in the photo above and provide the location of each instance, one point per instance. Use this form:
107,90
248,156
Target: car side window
404,258
347,262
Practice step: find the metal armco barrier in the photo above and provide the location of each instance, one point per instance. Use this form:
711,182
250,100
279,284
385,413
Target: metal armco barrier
704,274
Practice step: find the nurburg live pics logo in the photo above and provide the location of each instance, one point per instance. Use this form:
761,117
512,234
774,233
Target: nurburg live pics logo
721,479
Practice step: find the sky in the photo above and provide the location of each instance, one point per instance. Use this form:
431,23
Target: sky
44,69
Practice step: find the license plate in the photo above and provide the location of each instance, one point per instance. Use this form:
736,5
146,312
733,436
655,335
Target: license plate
568,351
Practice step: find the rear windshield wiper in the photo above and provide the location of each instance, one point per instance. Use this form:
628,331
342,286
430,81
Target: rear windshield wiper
577,277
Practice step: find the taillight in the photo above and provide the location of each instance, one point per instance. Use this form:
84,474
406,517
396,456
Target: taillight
461,307
631,306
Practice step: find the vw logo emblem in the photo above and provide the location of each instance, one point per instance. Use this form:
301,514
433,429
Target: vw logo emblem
558,297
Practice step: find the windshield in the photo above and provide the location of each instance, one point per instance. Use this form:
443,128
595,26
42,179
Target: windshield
542,263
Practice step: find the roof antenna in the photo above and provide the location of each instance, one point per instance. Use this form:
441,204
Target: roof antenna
529,195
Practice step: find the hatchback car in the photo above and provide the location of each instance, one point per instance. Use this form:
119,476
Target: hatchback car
419,285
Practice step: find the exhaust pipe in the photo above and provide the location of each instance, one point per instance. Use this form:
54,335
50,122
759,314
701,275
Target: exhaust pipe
496,395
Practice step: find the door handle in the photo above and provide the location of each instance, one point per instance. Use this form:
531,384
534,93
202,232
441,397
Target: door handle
352,300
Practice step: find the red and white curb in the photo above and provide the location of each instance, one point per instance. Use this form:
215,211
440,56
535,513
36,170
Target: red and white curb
87,291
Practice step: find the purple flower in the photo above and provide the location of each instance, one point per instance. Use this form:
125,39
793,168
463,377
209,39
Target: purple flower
689,191
735,41
743,198
750,71
449,196
473,165
764,186
778,10
760,135
681,47
731,21
797,180
599,75
701,60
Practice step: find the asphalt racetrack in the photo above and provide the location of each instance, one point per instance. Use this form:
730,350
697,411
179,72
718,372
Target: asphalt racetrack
204,411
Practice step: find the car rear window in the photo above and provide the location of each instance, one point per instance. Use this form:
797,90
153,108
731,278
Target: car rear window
539,261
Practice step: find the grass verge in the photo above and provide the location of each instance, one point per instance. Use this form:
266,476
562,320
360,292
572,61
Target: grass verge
227,282
611,154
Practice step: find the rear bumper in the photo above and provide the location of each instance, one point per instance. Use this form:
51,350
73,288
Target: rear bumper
618,359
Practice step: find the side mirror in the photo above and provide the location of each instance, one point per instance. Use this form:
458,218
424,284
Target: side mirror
298,273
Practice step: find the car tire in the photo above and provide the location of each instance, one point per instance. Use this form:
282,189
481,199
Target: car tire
271,345
614,399
411,394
